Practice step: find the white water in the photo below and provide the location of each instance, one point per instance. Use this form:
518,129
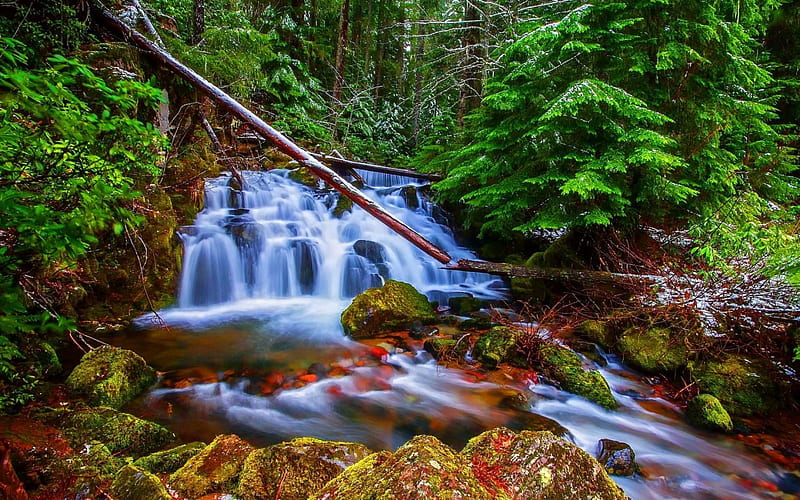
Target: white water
276,260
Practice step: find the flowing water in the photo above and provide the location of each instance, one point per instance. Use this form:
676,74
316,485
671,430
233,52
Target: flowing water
254,345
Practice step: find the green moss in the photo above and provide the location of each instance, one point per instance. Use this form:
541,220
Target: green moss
134,483
744,387
394,306
653,350
447,349
168,461
422,468
705,411
529,289
305,177
538,465
119,432
564,366
464,305
299,468
496,346
343,204
599,332
109,376
475,324
215,469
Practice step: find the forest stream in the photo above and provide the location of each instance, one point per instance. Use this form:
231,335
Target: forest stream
255,347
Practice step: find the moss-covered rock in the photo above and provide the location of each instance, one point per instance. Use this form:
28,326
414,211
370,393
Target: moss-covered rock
395,305
298,468
168,461
744,387
120,432
599,332
424,467
134,483
706,412
464,305
564,366
475,324
653,350
537,465
305,177
109,376
447,349
529,289
215,469
496,346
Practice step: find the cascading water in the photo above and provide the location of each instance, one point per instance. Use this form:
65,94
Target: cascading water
266,273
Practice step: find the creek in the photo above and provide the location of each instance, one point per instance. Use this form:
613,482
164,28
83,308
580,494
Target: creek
254,345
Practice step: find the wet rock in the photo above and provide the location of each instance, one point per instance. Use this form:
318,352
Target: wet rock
528,421
653,350
475,324
134,483
120,432
370,250
409,194
498,345
617,458
297,468
424,467
706,412
464,305
109,376
420,332
215,469
744,387
564,366
168,461
446,349
392,307
537,465
10,484
343,204
35,449
599,332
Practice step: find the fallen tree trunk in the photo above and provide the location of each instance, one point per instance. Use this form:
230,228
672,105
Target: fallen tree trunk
551,274
341,162
286,146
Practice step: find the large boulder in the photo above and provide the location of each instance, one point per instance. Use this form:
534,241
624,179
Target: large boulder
565,366
654,350
296,469
706,412
496,346
109,376
121,433
394,306
537,465
134,483
215,469
423,468
744,387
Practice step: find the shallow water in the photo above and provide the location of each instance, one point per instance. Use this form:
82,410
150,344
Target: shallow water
255,347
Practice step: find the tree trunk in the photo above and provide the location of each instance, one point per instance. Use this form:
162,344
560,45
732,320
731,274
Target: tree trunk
420,55
471,88
341,162
341,53
552,274
286,146
198,21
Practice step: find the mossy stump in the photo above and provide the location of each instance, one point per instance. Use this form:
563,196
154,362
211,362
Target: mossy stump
215,469
297,468
109,376
706,412
537,465
394,306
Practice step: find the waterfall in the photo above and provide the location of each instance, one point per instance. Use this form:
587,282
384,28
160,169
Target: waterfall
277,238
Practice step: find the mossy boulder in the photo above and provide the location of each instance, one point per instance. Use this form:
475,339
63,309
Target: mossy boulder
464,305
565,366
744,387
109,376
120,432
537,465
475,324
529,289
168,461
599,332
215,469
654,350
498,345
447,348
135,483
343,204
298,468
424,467
394,306
706,412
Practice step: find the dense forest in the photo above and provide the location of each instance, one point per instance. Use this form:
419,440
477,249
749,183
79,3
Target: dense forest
651,140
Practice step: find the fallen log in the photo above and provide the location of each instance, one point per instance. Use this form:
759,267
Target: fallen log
550,274
115,25
372,167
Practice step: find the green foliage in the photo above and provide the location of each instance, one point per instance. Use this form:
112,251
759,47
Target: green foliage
69,156
44,26
618,112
